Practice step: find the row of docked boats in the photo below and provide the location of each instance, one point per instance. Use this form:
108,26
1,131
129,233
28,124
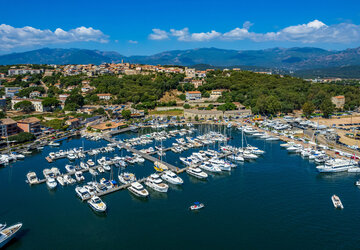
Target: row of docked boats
326,164
77,153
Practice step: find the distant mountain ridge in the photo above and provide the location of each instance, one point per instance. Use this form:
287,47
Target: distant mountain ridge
281,58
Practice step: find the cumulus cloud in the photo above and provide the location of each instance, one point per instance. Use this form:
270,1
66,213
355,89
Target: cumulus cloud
158,34
312,32
133,42
11,37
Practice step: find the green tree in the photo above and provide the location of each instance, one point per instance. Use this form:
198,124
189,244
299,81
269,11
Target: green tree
187,106
182,97
22,137
126,114
196,118
308,108
25,106
50,102
327,107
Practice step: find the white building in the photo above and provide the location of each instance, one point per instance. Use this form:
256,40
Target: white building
37,103
190,72
12,72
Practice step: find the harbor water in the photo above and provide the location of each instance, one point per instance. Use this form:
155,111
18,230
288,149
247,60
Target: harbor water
278,201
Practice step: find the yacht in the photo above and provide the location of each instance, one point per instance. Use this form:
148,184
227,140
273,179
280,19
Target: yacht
196,172
137,189
6,234
337,202
126,178
154,181
84,165
97,204
172,178
79,176
32,178
82,193
210,167
51,183
335,165
236,157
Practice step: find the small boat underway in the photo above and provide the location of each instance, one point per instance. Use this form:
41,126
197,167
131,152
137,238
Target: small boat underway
337,202
8,233
196,206
97,204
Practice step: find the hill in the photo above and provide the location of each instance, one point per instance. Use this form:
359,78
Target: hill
342,72
275,58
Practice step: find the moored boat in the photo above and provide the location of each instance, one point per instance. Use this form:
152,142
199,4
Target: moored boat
337,202
6,234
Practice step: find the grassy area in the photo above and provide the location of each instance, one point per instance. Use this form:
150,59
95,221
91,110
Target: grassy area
171,112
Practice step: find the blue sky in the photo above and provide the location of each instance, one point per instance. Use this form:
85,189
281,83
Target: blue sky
147,27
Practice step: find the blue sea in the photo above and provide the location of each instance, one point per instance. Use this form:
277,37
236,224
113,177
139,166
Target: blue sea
278,201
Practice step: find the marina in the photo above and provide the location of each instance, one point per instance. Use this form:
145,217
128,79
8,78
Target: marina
274,166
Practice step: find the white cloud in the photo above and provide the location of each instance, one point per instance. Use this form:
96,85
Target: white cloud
11,37
133,42
158,34
312,32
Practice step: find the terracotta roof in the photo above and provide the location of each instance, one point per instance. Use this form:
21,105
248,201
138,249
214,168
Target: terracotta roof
340,97
7,121
103,94
102,126
29,120
194,92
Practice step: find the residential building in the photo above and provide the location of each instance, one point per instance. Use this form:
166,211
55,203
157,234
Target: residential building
8,127
37,103
105,97
34,94
197,83
216,93
63,97
193,95
190,72
30,125
12,72
11,91
339,101
215,114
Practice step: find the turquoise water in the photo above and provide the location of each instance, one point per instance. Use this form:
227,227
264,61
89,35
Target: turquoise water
277,201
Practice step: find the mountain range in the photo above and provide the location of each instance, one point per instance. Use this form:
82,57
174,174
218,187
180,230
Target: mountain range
297,58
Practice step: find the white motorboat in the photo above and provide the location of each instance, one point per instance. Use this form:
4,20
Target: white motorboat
335,165
97,204
337,202
82,193
137,189
196,172
237,157
6,234
101,170
154,181
60,179
79,176
91,163
210,167
54,144
71,157
93,172
70,168
84,165
68,179
171,177
126,178
197,206
106,167
32,178
51,183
